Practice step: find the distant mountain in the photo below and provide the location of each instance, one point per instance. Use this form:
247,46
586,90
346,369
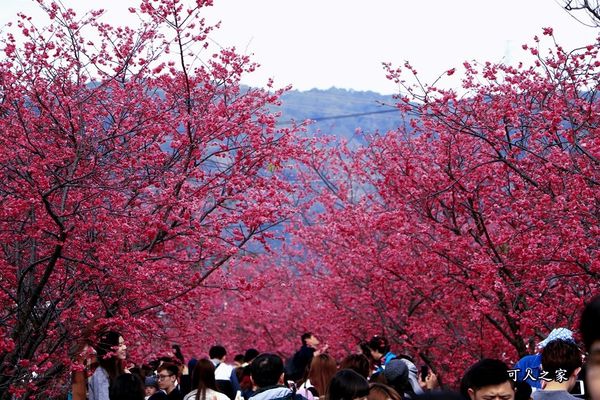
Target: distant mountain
341,112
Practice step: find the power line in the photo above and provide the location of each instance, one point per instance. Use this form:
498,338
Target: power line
342,116
319,119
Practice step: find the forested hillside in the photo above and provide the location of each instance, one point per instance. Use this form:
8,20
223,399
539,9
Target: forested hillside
341,112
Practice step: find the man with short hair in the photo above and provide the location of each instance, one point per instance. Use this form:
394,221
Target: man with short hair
561,363
225,376
167,382
297,365
590,333
488,379
267,374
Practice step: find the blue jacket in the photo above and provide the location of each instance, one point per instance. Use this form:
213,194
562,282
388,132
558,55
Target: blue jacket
384,360
529,369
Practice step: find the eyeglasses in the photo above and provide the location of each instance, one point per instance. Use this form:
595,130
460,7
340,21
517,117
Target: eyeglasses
161,377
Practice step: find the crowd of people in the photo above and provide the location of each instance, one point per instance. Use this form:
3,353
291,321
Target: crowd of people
560,370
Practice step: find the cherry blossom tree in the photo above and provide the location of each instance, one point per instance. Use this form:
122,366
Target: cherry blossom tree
472,230
136,171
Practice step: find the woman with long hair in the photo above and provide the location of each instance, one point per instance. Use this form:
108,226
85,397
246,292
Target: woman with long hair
322,368
203,379
347,384
359,363
111,354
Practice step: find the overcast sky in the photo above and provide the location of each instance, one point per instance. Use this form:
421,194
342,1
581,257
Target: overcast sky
341,43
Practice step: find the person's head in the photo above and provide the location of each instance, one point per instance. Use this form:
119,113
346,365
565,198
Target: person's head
111,352
378,377
168,360
111,345
590,332
379,391
167,376
357,362
379,347
396,375
488,379
561,360
127,387
250,355
522,390
322,369
238,360
310,340
151,385
217,352
203,377
267,370
347,384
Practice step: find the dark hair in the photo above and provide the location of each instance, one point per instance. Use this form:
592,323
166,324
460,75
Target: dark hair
357,362
523,390
365,350
379,344
347,384
266,369
127,387
217,352
379,391
239,358
560,355
590,323
178,354
250,355
108,342
305,337
378,377
203,377
171,368
465,383
169,360
487,372
322,369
